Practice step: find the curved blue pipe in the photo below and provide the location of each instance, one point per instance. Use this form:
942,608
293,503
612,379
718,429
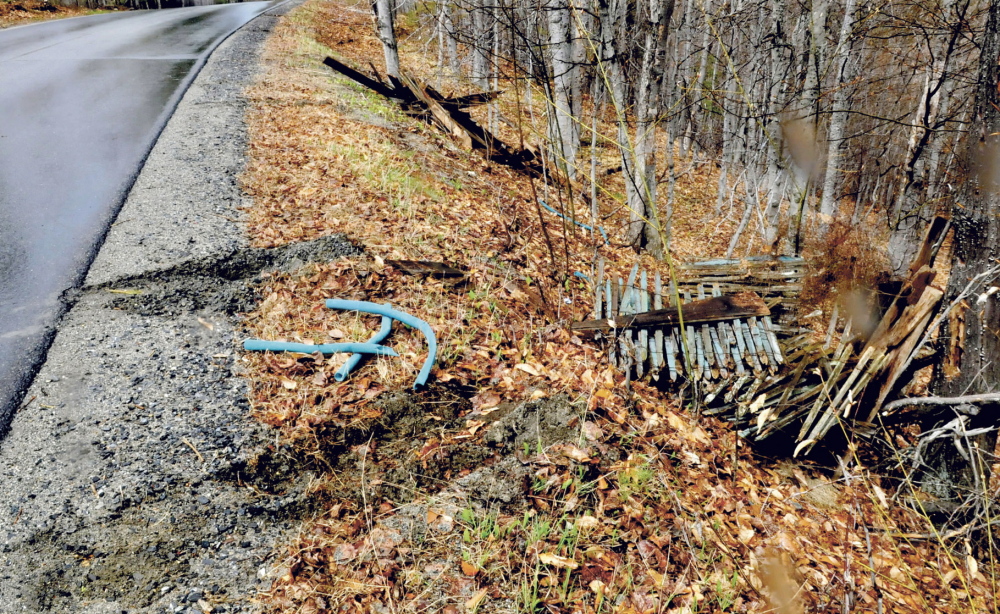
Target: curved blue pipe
354,359
405,318
582,276
580,224
261,345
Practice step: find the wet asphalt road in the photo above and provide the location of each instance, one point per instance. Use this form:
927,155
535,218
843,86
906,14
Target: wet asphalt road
81,103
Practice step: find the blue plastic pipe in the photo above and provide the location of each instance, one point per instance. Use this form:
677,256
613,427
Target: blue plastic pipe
580,224
261,345
405,318
354,359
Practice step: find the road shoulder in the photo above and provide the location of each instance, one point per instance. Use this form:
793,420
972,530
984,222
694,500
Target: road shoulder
133,479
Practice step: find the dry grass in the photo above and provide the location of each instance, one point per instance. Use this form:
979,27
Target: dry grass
647,510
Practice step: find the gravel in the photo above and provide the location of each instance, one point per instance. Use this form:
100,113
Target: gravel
133,479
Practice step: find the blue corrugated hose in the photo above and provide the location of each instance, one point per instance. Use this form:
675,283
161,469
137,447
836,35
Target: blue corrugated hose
580,224
261,345
354,359
405,318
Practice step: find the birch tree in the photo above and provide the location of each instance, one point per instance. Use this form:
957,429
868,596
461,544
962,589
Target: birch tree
565,129
843,64
382,10
645,226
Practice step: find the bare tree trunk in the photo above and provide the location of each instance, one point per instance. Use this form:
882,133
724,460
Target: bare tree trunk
565,131
645,227
843,63
817,59
482,45
961,476
913,207
387,35
779,66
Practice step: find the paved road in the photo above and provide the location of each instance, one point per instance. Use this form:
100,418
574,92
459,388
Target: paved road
81,103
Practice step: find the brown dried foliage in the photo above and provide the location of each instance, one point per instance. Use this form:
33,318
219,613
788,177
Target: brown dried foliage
646,510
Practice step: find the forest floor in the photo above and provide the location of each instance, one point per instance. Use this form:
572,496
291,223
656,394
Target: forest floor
17,13
528,475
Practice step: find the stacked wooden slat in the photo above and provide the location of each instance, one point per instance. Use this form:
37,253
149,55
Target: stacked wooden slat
777,280
713,350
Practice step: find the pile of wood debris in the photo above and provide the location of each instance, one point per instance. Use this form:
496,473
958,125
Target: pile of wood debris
802,385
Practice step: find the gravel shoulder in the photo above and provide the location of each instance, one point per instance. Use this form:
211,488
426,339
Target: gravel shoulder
134,479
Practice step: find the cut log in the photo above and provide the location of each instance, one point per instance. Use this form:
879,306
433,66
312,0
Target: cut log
744,304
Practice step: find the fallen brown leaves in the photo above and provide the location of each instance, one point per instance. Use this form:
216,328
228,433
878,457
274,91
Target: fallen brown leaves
19,13
637,507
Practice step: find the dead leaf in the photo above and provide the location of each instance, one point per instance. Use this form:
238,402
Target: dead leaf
485,401
289,384
587,522
574,453
528,368
469,569
475,600
557,561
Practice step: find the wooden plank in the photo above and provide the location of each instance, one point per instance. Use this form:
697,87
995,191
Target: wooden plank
671,356
363,79
442,116
773,338
751,349
705,337
722,356
762,347
745,304
658,333
933,238
643,308
437,270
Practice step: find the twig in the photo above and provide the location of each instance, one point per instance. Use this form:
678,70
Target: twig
991,397
193,449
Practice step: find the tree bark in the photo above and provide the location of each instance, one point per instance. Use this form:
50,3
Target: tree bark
947,473
843,63
645,226
565,130
387,35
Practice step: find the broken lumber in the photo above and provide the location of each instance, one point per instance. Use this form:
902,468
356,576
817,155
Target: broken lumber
424,267
742,305
442,116
362,79
423,101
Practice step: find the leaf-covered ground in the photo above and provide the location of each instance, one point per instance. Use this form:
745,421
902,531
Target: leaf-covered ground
529,476
19,13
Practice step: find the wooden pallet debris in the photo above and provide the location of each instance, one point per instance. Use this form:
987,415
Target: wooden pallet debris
778,280
422,101
845,385
721,335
